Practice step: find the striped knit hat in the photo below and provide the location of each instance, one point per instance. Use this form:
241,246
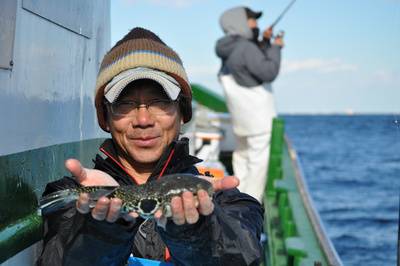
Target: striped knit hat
142,48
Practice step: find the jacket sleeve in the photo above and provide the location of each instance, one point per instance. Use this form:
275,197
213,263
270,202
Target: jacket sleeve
72,238
263,62
229,236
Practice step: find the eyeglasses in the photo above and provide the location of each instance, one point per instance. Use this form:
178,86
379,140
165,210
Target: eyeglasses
154,107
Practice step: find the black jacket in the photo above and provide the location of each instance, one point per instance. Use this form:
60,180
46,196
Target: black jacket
229,236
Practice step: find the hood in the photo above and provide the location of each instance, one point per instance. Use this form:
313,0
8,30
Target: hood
226,45
234,22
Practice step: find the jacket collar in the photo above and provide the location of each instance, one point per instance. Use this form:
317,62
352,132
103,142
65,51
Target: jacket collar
174,159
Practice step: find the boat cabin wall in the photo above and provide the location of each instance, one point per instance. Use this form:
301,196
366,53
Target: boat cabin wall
50,53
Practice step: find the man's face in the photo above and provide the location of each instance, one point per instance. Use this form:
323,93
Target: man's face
141,135
252,23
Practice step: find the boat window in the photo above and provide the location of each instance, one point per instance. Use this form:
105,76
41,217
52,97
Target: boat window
74,15
8,9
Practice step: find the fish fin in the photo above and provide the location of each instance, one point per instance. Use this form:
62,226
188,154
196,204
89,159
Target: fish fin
167,212
57,200
162,222
98,193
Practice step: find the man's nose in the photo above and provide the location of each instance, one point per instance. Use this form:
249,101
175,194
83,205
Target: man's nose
144,117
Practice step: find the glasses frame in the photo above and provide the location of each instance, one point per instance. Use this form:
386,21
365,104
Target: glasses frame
135,105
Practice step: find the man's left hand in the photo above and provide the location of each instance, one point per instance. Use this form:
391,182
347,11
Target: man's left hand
188,208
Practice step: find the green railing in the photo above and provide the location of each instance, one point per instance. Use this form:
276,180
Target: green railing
291,236
208,98
23,177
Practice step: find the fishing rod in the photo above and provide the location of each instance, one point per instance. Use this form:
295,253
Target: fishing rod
282,14
281,33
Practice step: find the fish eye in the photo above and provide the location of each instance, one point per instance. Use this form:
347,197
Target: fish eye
148,205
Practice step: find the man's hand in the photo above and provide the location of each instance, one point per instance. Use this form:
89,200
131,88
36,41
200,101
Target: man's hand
105,208
187,208
279,41
267,34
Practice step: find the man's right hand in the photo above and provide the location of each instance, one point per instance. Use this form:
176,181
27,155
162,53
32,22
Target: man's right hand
105,208
267,34
279,41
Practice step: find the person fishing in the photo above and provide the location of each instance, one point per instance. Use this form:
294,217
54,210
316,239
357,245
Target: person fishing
249,66
142,98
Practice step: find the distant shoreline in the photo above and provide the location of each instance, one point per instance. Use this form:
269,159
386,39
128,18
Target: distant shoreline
339,114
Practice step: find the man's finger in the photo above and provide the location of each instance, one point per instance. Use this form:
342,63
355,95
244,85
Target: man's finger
226,182
191,213
82,204
114,210
101,209
130,217
206,206
158,214
178,215
76,169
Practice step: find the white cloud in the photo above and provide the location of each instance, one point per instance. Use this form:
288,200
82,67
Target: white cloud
174,3
317,64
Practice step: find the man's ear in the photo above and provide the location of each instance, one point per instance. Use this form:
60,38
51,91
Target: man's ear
106,117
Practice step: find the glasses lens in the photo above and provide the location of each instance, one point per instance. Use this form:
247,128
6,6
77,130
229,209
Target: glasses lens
161,107
123,108
156,107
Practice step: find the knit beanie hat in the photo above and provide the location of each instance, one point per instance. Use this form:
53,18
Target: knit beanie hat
142,48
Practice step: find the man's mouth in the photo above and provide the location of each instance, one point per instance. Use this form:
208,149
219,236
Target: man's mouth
145,141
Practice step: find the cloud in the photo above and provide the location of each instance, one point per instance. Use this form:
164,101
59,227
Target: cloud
173,3
317,64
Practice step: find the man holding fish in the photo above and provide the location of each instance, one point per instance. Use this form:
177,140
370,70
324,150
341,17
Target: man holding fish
142,98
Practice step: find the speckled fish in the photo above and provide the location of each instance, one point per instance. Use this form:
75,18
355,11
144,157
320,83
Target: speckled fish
144,199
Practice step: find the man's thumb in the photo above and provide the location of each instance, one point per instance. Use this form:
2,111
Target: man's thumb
76,169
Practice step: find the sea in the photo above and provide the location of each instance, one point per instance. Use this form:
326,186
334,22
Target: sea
352,167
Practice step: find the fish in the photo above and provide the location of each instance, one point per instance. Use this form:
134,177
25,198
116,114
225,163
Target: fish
143,199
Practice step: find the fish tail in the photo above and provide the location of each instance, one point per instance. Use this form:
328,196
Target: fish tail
57,200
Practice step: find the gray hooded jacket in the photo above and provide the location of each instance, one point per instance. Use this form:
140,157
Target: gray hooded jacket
249,63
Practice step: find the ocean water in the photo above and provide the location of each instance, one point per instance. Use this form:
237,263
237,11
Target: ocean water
352,167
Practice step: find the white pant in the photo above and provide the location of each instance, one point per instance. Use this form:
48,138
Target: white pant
250,163
252,111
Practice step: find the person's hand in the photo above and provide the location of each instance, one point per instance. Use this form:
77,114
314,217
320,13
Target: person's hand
188,208
267,34
279,42
105,208
279,39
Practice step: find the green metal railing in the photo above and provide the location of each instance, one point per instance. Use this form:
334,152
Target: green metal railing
292,240
23,177
209,98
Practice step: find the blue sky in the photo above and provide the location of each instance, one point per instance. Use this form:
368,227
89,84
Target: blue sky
339,56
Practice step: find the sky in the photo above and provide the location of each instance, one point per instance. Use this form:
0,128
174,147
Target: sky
340,56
